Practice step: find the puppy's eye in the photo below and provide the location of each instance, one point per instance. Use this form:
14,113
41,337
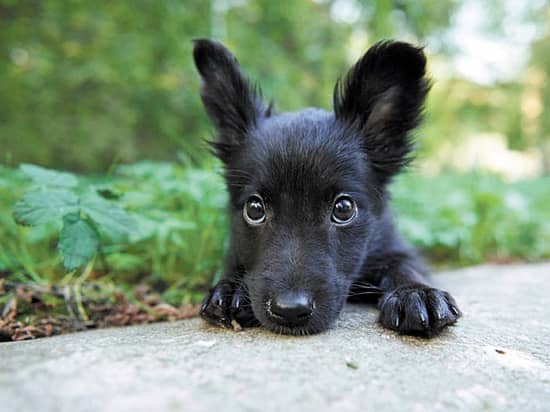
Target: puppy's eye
344,210
254,210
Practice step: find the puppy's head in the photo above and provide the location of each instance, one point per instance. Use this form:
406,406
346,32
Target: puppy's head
307,189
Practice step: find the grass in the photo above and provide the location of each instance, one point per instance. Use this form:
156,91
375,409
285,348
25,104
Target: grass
181,227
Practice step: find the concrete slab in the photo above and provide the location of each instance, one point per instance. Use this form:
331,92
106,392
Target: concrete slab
495,359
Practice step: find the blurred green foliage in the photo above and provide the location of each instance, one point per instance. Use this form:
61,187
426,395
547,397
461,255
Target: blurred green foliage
537,95
471,218
87,84
90,83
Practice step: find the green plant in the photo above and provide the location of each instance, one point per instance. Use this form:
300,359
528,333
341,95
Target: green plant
158,223
80,212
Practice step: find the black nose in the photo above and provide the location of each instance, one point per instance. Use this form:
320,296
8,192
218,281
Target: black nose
293,308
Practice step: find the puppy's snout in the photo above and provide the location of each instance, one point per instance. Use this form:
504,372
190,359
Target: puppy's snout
291,308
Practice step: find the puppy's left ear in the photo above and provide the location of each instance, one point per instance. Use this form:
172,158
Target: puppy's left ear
381,98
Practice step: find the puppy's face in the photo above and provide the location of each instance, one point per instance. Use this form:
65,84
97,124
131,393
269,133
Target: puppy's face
307,189
302,218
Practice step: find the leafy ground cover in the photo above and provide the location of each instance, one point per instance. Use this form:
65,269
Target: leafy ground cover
144,242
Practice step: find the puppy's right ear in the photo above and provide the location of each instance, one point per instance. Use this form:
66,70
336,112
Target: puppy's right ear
232,103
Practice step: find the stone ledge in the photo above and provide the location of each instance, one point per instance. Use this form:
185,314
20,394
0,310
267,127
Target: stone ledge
495,358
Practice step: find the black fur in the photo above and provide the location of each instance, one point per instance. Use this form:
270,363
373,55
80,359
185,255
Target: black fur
299,163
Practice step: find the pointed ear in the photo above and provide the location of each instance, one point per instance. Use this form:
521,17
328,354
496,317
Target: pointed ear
381,98
232,104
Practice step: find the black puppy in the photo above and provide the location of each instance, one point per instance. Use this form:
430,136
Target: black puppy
310,222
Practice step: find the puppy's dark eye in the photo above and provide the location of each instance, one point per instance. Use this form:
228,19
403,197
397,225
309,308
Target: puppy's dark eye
254,210
344,210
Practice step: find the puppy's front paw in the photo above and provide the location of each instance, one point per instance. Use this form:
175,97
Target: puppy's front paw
229,306
418,309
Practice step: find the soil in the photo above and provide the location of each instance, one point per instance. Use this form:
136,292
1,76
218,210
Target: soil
36,311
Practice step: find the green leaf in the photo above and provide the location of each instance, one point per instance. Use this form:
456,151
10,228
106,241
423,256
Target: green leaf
48,177
110,217
78,241
40,207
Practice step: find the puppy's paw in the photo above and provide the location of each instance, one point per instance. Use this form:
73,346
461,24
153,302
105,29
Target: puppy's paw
228,305
418,310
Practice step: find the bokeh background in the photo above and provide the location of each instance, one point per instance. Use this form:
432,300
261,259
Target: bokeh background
86,85
107,90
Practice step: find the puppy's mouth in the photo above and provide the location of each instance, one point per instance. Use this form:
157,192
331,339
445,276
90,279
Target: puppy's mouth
291,330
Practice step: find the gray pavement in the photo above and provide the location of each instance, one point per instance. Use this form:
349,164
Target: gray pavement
495,359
